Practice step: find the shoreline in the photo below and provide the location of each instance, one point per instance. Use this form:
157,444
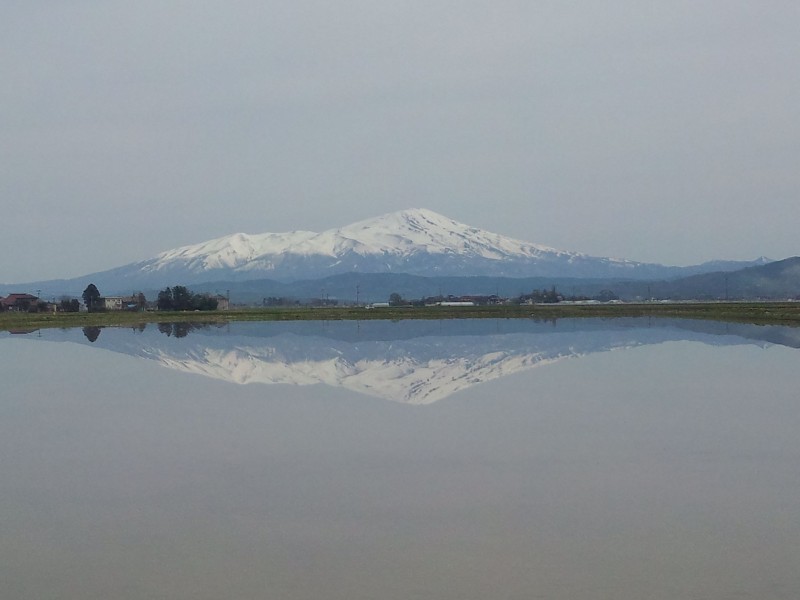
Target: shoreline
765,313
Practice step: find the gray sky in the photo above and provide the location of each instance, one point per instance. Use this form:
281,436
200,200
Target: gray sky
656,131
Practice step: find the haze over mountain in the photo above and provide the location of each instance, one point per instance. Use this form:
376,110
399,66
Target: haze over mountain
414,241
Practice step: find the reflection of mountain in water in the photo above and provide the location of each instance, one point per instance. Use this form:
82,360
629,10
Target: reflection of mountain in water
416,362
417,371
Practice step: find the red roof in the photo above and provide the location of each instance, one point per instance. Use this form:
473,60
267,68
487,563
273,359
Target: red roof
12,299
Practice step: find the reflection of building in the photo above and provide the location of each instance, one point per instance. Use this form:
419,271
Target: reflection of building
18,302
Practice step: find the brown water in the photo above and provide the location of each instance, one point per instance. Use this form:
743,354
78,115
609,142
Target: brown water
669,468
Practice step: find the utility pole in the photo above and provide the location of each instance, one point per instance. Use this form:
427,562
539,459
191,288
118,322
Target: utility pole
357,291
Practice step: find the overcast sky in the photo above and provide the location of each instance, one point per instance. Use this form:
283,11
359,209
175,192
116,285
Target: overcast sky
656,131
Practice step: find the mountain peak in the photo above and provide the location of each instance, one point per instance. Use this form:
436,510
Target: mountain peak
416,230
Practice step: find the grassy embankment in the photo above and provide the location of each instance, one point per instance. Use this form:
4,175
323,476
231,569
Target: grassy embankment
785,313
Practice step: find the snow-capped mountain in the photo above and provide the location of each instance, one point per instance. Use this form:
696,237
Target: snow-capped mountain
414,241
396,235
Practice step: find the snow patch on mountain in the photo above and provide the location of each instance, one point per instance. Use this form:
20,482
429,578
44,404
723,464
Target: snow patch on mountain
232,251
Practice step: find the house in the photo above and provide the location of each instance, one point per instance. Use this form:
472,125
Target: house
18,302
121,302
222,302
378,305
111,302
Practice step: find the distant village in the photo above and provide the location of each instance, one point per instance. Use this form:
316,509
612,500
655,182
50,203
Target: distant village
176,298
551,296
181,299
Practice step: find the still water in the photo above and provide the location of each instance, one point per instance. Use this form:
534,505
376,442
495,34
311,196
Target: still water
510,459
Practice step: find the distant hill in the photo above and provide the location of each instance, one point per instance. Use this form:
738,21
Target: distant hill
777,280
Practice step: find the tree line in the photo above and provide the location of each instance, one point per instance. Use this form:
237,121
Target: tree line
181,298
92,300
171,298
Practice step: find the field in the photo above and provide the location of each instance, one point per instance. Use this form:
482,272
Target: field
784,313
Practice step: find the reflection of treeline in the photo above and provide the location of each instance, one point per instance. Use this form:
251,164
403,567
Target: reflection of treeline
181,298
92,333
180,330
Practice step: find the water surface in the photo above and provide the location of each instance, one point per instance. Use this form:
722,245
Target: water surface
457,459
